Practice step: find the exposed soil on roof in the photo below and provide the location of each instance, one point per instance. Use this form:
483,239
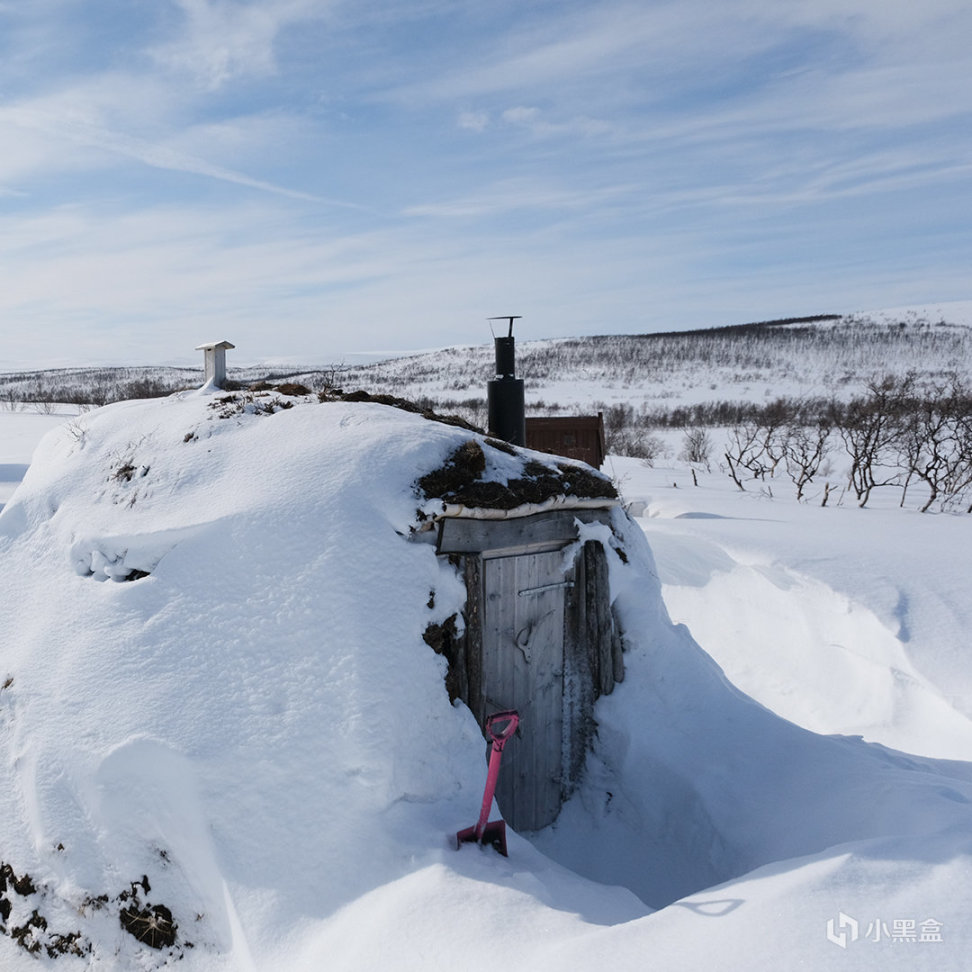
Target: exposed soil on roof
402,403
263,398
458,480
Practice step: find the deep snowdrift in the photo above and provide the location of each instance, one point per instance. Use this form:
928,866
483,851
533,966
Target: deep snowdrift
840,619
256,727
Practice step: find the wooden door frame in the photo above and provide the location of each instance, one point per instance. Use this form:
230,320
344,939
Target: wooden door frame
593,660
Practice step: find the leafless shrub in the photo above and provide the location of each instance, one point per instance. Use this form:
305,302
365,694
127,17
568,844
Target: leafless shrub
637,443
76,431
749,449
804,451
869,428
697,448
935,442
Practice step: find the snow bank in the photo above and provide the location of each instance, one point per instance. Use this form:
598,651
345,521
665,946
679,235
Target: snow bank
19,434
840,619
260,710
217,699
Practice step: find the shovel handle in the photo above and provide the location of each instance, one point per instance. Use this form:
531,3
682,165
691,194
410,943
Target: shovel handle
499,736
496,832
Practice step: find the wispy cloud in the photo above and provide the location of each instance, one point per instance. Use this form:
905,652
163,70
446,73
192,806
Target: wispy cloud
374,171
59,124
845,61
225,39
473,121
575,48
520,194
533,120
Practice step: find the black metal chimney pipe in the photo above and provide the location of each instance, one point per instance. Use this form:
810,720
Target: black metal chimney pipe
505,402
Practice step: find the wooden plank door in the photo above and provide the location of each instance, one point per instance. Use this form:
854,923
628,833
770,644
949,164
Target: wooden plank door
523,669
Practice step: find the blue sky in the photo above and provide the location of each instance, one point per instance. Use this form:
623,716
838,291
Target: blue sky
313,178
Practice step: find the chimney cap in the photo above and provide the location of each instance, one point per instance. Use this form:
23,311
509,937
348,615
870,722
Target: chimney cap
214,345
506,317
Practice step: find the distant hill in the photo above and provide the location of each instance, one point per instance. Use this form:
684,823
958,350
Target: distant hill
663,378
829,355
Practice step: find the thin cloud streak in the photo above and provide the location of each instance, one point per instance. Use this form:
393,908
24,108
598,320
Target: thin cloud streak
319,174
142,150
515,195
223,40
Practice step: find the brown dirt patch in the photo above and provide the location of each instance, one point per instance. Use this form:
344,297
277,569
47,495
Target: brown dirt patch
458,480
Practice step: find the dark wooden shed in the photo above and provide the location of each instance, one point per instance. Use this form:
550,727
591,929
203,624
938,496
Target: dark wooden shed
540,637
574,436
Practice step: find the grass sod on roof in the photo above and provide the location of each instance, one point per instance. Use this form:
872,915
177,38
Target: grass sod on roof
459,481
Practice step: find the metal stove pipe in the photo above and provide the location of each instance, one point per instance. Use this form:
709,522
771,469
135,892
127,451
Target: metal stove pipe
504,395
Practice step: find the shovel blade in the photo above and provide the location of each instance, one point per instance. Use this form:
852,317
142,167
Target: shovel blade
493,834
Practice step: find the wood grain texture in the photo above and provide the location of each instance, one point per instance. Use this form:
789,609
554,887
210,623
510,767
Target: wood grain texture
541,637
523,669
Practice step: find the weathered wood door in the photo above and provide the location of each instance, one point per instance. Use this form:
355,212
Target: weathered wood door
523,669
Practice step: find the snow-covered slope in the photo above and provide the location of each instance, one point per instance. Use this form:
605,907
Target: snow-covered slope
829,356
832,356
841,619
19,434
255,736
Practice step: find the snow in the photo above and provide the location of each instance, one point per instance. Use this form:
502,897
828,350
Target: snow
258,727
871,601
954,312
650,376
19,434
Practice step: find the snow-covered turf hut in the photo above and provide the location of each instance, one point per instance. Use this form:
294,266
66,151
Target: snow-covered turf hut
235,652
225,746
531,537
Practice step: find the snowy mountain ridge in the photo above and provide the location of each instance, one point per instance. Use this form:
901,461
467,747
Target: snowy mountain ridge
822,355
827,355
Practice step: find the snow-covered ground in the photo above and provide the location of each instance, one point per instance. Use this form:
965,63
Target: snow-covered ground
840,619
651,372
20,431
783,780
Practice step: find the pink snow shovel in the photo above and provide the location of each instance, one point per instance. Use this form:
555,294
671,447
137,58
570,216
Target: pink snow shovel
492,833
